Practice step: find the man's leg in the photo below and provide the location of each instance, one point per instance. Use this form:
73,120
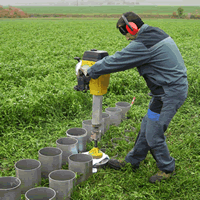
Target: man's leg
157,123
137,154
140,149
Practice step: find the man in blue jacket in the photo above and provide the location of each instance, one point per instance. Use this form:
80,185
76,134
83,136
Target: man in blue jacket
159,61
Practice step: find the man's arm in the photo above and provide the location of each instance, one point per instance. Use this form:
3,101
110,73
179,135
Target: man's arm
134,54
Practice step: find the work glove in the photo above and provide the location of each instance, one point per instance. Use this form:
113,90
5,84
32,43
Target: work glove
83,83
86,77
87,81
84,69
83,80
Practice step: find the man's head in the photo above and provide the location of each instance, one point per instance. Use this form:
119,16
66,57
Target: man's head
131,17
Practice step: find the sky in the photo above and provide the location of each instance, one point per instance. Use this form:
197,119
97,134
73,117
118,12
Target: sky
74,2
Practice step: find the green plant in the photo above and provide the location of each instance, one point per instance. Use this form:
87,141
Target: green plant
38,104
180,12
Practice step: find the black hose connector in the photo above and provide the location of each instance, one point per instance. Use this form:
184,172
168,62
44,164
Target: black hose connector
95,143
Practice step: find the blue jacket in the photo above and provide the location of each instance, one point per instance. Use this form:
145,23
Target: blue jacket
157,59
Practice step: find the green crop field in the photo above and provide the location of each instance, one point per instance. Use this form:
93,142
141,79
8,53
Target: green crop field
162,10
38,103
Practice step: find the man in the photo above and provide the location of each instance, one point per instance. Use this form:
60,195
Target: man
159,61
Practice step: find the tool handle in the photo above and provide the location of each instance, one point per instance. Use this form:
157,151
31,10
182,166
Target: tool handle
95,144
77,58
133,101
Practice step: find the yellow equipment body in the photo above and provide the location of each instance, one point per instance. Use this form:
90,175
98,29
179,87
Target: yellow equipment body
97,86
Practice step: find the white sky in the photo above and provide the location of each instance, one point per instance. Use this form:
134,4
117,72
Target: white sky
142,2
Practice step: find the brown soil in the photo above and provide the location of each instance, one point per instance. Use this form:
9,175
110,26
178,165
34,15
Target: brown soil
117,16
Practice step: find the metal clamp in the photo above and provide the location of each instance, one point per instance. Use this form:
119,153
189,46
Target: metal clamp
95,135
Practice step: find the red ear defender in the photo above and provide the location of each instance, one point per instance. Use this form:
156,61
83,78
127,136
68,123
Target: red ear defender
134,26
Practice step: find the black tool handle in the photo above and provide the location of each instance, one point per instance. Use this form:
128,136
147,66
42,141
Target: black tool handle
95,143
77,58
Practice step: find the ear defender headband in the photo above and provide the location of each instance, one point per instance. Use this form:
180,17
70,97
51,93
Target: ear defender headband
130,27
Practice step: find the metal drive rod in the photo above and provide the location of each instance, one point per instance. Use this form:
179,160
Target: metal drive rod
96,116
97,109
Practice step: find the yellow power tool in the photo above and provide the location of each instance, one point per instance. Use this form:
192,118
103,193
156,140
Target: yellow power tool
97,87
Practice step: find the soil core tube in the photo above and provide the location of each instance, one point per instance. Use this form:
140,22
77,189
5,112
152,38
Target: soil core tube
63,182
40,193
29,172
82,164
115,115
69,146
125,106
51,159
10,188
81,135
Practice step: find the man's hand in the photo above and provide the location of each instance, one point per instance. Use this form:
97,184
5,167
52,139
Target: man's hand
84,69
83,79
83,83
87,80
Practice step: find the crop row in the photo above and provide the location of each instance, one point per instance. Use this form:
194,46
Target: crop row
37,69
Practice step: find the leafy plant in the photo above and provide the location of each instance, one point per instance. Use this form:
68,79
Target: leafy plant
180,11
38,103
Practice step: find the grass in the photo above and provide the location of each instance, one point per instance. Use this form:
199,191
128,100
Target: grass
38,103
162,10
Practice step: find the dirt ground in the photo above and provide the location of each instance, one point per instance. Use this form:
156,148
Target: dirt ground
96,16
92,16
